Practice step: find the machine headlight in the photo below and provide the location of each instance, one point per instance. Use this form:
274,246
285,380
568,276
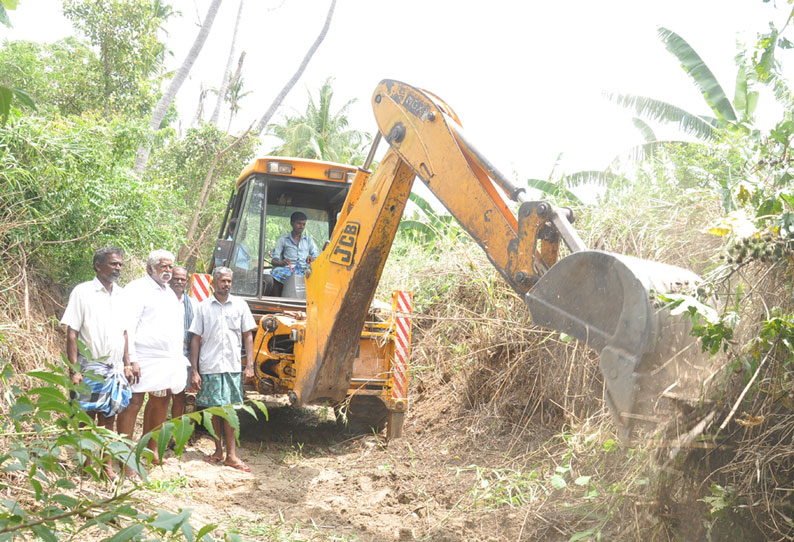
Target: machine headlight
335,174
279,167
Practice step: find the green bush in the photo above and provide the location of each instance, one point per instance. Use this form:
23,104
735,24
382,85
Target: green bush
68,191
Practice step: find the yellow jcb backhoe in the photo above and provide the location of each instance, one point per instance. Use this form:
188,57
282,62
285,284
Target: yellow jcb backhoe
336,344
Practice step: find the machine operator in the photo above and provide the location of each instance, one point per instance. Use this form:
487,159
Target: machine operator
294,253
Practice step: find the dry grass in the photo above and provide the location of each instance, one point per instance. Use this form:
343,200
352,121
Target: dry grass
27,302
751,457
27,310
503,385
505,369
658,229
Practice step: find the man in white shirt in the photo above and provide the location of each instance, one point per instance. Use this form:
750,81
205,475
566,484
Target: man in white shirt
221,323
155,333
95,315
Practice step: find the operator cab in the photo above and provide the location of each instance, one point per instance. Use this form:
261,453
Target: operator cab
266,194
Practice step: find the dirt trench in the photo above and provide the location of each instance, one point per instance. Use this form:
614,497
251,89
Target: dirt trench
312,480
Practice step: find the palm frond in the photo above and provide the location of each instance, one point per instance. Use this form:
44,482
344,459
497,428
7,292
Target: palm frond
659,111
553,189
318,133
651,149
581,178
644,129
700,73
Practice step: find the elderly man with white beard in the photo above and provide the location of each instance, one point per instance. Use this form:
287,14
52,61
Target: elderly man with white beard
155,332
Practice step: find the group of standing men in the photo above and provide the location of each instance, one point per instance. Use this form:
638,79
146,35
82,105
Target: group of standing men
151,338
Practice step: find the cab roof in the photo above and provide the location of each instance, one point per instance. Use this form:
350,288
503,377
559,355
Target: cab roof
299,167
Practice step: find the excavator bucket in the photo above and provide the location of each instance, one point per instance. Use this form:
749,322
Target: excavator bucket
610,302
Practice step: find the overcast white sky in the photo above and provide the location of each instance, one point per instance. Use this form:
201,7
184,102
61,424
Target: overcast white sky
526,78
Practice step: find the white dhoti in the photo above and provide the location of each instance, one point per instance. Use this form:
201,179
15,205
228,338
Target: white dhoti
159,373
155,336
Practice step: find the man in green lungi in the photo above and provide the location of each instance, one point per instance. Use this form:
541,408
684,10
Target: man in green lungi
220,325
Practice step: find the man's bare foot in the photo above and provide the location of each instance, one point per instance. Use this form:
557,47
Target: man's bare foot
109,473
130,474
216,457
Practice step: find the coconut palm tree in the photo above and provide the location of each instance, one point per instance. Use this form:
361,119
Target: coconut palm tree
263,122
227,72
319,133
235,93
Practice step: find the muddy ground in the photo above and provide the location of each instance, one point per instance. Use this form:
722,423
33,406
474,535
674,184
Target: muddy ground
312,480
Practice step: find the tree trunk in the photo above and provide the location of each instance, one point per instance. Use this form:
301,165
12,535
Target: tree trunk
200,109
181,74
106,75
225,81
195,247
291,83
189,248
233,84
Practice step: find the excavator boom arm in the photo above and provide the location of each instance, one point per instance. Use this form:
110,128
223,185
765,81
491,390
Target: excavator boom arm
602,299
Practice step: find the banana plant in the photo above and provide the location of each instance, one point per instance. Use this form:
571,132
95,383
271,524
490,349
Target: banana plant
736,115
427,223
11,98
9,95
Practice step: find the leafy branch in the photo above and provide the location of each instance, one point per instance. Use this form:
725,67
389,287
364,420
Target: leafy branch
45,431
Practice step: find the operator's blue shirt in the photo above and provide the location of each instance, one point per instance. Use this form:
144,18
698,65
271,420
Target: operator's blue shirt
296,253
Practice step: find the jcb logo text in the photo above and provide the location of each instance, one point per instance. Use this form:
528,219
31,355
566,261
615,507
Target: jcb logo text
345,248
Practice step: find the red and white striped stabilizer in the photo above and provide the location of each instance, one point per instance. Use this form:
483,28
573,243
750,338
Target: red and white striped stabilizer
201,286
402,305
